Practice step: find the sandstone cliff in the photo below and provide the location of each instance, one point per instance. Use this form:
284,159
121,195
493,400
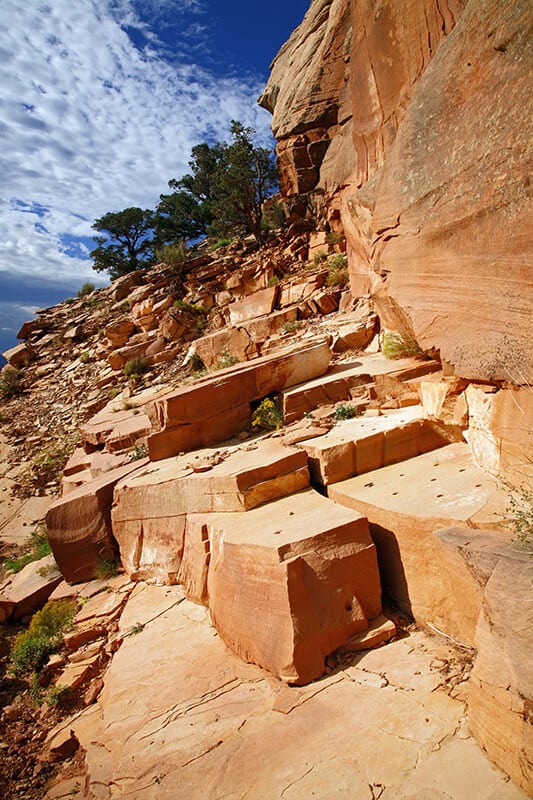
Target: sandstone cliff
412,123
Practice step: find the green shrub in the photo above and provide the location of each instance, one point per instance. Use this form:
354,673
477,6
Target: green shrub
345,411
189,308
267,415
196,362
39,548
319,258
333,237
273,280
43,637
338,271
10,382
86,289
106,567
396,345
172,254
226,359
139,451
291,326
48,465
69,300
221,243
136,366
519,513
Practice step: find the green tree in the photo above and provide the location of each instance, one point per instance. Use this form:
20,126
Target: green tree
246,176
127,243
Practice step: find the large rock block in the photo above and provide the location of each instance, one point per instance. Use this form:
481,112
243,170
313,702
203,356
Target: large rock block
405,504
256,305
150,506
290,581
217,407
79,525
361,445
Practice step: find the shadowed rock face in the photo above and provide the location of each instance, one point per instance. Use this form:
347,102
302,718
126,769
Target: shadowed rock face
427,161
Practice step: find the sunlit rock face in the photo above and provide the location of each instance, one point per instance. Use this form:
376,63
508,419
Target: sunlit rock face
412,122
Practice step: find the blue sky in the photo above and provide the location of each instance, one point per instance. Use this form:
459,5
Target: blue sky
101,102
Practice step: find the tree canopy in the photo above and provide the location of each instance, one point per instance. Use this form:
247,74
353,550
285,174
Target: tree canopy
222,195
127,244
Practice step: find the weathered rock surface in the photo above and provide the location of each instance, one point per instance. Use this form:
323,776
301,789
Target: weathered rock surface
150,506
222,728
405,504
499,700
79,525
403,127
290,581
27,591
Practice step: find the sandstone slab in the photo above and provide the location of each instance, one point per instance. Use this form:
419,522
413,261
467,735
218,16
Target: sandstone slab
79,525
405,504
217,407
209,728
361,445
27,591
257,304
290,581
149,509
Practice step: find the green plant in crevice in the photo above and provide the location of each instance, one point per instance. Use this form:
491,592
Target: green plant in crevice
338,271
106,567
519,513
39,547
268,415
135,366
225,360
86,289
345,411
10,382
398,345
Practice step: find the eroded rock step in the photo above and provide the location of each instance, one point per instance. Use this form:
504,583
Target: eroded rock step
345,379
405,504
217,407
286,582
360,445
150,505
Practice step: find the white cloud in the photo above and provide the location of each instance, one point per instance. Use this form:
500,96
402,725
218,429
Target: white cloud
92,124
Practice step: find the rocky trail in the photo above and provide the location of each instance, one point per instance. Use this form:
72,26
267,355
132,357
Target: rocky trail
278,546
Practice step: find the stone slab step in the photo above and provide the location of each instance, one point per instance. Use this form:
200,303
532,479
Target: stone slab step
287,582
149,509
343,378
405,504
363,444
217,407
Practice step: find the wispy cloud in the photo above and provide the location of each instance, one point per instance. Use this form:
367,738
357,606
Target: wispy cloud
93,120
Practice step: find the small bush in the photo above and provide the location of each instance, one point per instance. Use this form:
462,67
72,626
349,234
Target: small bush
10,382
172,254
136,366
39,548
338,271
48,465
69,300
267,415
226,359
319,258
333,237
519,513
196,362
43,637
273,280
291,326
106,567
85,357
396,345
345,411
86,289
139,451
221,243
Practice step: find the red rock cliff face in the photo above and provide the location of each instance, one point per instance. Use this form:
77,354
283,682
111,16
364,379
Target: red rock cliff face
428,159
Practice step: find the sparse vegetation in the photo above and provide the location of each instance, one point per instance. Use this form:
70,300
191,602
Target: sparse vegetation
135,367
338,271
139,451
345,411
333,237
221,243
268,415
106,567
273,280
86,289
48,465
396,345
319,258
291,326
43,637
196,363
225,359
519,513
37,547
172,254
10,382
